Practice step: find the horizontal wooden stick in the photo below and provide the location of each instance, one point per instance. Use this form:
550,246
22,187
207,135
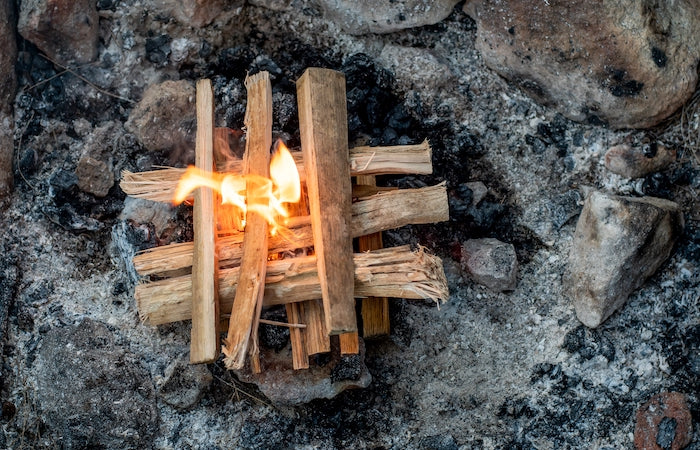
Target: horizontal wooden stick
380,212
159,185
392,272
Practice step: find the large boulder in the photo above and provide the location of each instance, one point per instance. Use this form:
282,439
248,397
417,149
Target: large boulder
624,63
619,242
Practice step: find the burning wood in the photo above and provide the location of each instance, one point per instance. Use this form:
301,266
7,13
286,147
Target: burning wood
160,185
247,304
379,212
238,258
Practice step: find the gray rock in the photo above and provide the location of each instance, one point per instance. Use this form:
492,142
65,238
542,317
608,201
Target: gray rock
619,242
66,30
490,262
479,191
92,391
8,87
638,161
184,384
94,177
164,119
385,16
283,385
624,63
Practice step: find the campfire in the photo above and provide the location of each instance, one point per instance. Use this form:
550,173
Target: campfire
280,230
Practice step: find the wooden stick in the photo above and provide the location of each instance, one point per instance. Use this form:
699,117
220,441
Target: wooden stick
243,325
295,314
375,310
380,212
323,127
317,339
159,185
204,343
349,343
392,272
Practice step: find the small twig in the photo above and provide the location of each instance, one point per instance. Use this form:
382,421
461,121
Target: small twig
238,390
17,156
94,86
282,324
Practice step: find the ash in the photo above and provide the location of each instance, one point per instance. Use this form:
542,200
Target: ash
487,370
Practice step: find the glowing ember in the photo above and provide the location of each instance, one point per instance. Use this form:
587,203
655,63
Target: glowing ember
249,192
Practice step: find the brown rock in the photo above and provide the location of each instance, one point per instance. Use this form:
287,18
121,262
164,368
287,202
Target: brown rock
66,30
8,86
490,262
635,162
664,422
625,63
619,242
164,119
94,177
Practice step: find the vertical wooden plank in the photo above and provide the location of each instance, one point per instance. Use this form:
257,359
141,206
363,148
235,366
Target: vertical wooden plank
204,344
295,313
375,310
324,138
247,303
349,343
316,334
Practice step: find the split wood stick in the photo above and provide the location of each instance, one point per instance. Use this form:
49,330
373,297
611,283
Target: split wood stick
392,272
295,314
323,126
247,303
204,343
159,185
375,310
379,212
317,339
349,343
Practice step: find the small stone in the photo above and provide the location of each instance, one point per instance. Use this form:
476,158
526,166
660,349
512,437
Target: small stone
164,119
184,384
589,63
66,30
490,262
619,242
636,162
663,423
386,16
94,177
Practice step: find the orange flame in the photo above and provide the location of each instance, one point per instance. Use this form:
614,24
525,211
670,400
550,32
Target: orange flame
249,192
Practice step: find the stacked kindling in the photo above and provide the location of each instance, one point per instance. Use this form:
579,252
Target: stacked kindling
235,274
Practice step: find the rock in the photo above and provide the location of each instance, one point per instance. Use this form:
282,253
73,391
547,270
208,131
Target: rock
8,87
92,391
141,211
490,262
184,384
427,74
283,385
94,177
636,162
664,422
385,16
619,242
165,117
66,30
624,63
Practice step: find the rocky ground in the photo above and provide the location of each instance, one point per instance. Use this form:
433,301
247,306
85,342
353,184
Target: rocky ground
488,369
